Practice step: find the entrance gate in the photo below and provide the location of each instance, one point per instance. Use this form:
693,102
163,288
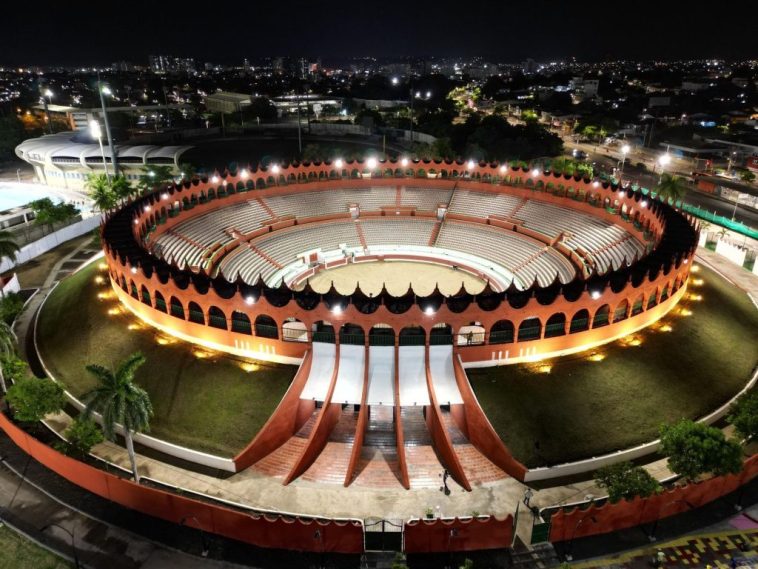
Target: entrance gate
383,535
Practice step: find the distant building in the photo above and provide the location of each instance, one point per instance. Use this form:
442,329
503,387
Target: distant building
122,66
171,64
227,102
584,89
66,159
529,66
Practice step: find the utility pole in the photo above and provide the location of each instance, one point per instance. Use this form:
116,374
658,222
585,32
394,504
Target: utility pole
299,134
411,94
114,157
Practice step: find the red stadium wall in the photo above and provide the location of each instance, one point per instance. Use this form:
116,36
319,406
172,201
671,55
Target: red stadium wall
471,534
568,524
126,278
270,531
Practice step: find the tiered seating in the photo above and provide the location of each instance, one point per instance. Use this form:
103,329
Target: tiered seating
424,199
588,232
284,246
482,204
391,231
187,242
311,204
507,249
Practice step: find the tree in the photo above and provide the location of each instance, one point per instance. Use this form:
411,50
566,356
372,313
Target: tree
32,398
8,246
121,188
694,449
626,480
47,212
82,435
100,192
11,306
120,401
744,415
747,176
365,116
261,108
12,133
671,187
154,176
7,349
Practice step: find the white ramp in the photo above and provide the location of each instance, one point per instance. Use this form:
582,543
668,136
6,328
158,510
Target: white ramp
443,375
349,386
412,372
381,375
322,369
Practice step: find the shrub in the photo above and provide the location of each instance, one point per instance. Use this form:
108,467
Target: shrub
744,415
32,398
11,306
694,449
625,480
82,435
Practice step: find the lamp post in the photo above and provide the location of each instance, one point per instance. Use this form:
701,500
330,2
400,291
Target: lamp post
73,545
624,151
96,132
203,541
651,535
106,91
570,547
663,160
47,98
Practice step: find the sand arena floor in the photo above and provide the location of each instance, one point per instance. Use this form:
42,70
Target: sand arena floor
397,275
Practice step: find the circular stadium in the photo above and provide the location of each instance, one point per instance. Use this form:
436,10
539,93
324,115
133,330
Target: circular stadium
384,282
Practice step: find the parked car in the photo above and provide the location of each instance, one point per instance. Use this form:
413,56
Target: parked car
579,154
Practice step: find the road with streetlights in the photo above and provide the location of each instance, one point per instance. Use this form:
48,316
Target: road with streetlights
607,159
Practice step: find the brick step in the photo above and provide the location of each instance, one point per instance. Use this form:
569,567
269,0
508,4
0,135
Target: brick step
377,469
331,465
344,430
279,463
456,435
424,468
305,430
415,431
478,468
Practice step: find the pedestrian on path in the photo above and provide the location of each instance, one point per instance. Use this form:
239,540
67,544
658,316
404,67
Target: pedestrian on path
528,496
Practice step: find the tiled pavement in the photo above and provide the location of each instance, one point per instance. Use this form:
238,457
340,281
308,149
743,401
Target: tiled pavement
718,550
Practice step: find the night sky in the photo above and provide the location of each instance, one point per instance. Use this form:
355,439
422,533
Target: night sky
80,33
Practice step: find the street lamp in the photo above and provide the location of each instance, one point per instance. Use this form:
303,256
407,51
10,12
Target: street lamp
624,151
570,547
47,97
96,132
73,545
664,160
104,90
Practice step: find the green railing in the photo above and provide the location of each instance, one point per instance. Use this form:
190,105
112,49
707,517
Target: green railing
711,217
266,331
501,337
381,339
412,340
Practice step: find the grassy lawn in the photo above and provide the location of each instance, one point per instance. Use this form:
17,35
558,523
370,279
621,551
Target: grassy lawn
583,408
209,404
17,552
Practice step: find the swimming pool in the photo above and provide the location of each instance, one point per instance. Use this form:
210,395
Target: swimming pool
15,194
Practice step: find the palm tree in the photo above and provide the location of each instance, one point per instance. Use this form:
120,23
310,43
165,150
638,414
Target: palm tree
8,246
671,187
7,348
100,191
121,188
119,400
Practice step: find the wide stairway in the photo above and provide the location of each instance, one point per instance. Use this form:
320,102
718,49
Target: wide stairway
478,468
279,463
332,464
378,465
424,468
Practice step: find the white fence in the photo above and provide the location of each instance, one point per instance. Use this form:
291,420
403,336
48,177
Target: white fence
37,248
734,253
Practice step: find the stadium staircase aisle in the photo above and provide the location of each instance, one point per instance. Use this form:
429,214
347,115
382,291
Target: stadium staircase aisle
378,465
280,462
424,468
332,464
478,468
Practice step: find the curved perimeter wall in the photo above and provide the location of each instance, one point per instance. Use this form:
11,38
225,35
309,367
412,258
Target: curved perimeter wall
570,523
516,326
